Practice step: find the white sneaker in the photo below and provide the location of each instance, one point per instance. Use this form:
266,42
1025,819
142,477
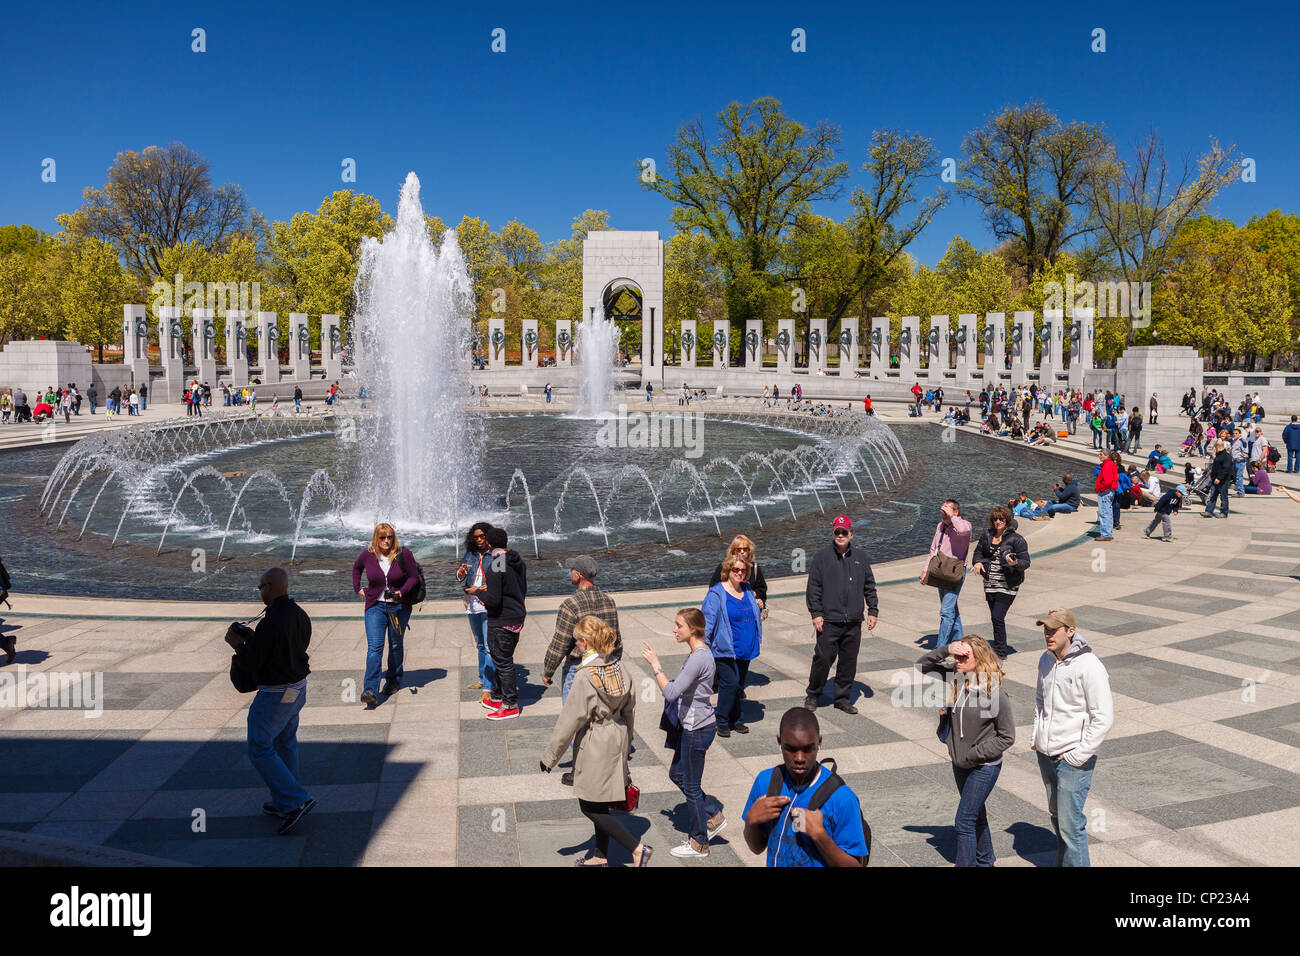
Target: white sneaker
687,850
716,828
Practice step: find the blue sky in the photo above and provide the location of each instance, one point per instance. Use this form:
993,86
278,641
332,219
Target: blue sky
558,123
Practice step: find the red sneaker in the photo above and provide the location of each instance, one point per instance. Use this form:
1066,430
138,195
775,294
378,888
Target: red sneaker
489,703
504,713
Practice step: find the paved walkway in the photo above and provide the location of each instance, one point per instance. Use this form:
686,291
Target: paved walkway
1203,767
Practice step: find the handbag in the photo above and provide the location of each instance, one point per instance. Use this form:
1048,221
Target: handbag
944,571
243,678
629,803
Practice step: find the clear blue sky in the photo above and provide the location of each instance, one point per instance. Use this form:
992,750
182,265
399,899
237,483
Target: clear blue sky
557,123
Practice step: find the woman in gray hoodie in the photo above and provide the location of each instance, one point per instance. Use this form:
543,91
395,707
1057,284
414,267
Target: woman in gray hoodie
978,727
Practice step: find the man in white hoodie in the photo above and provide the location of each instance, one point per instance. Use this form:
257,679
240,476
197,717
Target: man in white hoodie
1073,713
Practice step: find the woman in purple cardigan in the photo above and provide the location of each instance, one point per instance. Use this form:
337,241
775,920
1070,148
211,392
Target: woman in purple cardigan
390,573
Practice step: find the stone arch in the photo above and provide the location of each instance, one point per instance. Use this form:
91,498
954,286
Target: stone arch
615,262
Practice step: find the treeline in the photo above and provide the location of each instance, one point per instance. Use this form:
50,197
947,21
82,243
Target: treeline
1064,206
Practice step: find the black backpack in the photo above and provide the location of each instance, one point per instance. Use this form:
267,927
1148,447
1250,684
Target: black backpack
416,596
4,578
821,795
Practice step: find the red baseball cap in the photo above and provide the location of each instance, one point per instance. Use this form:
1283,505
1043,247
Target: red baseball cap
842,522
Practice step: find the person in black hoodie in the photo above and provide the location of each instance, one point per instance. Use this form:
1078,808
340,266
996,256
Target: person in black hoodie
1000,558
1222,472
978,728
276,656
506,579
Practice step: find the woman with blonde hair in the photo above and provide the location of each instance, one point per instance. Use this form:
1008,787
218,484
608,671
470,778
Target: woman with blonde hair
597,719
978,728
733,629
743,546
391,573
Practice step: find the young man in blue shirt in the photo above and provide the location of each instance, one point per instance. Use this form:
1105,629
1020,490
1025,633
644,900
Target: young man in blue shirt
793,834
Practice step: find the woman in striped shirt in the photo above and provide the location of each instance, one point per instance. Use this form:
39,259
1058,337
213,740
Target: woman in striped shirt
1001,558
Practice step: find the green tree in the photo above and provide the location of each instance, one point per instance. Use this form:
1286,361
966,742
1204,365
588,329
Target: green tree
1031,175
747,188
159,198
92,292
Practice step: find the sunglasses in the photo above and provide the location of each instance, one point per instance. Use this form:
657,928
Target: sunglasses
961,658
842,534
385,537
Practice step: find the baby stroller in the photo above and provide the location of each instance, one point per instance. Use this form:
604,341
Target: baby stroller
1202,486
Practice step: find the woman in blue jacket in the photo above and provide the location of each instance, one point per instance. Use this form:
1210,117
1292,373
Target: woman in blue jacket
733,628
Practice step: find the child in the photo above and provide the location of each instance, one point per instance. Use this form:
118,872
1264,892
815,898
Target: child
1168,504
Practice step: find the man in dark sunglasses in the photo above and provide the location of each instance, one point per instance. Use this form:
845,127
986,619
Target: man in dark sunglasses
841,587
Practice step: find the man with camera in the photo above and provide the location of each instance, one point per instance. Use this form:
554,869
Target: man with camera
276,655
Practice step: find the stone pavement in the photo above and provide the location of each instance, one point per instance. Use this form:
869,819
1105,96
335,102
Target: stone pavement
1201,637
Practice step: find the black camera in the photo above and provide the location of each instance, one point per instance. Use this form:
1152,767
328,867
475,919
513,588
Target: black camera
390,595
243,630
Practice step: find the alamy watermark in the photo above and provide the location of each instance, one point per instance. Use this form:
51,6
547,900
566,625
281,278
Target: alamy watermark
245,297
653,430
1116,300
61,690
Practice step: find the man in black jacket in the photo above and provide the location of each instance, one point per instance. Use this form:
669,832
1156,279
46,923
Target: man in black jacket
276,655
840,587
1222,471
506,580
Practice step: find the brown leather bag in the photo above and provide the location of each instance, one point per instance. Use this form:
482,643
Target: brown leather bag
944,571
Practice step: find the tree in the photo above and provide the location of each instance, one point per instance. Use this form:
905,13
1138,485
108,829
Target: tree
92,292
156,199
746,189
693,288
897,163
1031,175
1140,206
315,256
1276,236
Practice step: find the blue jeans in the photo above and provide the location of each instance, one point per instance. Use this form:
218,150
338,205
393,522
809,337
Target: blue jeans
1240,468
567,671
1059,508
273,746
1096,438
687,772
377,626
1292,460
144,404
1219,491
1106,513
1067,789
974,840
478,627
1115,511
949,614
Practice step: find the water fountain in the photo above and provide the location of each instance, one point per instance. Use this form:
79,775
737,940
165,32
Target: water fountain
598,342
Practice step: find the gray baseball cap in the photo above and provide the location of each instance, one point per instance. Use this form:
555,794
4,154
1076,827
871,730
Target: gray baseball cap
585,565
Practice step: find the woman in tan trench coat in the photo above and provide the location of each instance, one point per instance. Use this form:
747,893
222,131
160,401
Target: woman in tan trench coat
597,719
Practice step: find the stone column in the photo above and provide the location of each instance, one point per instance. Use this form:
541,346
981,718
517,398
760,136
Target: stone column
496,343
532,343
268,347
721,340
994,341
878,362
938,339
299,346
752,353
847,347
908,346
205,345
331,347
170,332
135,343
785,346
563,343
967,345
237,347
1081,347
1022,347
818,353
690,344
1049,343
